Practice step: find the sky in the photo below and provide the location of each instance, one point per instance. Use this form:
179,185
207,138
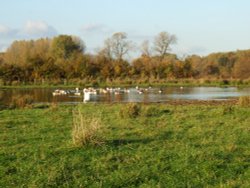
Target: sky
201,26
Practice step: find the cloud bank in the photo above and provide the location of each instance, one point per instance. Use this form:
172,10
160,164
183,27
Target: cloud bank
96,29
38,29
30,30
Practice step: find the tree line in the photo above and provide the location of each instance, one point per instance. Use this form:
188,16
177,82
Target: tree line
64,58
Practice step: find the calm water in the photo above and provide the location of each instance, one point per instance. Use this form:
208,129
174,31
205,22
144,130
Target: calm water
152,95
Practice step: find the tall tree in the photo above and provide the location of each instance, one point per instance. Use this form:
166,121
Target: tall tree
162,43
242,66
106,51
117,46
145,48
63,46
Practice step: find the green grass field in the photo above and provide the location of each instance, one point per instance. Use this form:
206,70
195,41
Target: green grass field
165,146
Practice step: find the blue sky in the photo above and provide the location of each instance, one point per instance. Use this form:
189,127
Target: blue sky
202,27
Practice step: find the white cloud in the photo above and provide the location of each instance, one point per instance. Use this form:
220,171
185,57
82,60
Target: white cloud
30,30
184,51
38,29
198,50
7,32
142,37
96,28
4,29
3,47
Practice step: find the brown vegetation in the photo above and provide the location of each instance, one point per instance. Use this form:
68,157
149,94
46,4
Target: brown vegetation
244,101
130,110
63,60
21,101
85,129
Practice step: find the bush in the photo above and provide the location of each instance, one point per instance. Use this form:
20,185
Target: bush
20,101
94,83
2,82
131,110
15,83
56,82
204,81
86,130
247,81
244,101
225,82
239,82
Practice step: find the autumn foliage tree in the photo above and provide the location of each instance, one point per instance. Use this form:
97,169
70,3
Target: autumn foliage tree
242,67
63,58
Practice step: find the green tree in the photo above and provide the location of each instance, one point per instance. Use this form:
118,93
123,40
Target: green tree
63,46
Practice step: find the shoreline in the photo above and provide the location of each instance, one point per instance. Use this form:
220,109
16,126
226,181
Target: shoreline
125,85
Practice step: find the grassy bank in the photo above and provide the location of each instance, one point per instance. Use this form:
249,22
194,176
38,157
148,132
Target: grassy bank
162,145
131,83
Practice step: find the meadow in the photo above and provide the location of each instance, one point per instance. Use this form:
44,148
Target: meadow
156,145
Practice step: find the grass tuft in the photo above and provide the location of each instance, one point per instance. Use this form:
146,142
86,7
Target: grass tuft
86,130
244,101
20,101
131,110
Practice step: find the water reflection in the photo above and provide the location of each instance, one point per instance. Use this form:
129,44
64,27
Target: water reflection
148,95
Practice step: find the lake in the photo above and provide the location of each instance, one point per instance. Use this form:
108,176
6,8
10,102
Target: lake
147,95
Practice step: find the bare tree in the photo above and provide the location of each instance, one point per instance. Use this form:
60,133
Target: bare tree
117,46
107,49
162,43
145,48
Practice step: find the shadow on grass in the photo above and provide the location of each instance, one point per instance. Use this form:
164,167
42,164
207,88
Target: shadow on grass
122,142
3,107
161,137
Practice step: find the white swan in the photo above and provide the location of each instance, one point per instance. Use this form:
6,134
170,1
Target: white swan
59,92
77,92
86,96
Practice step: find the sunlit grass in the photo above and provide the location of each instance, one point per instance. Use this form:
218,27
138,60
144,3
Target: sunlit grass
164,146
86,129
244,101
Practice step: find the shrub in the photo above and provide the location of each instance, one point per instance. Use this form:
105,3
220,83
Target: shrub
239,82
225,82
244,101
204,81
86,130
94,83
247,81
15,83
20,101
2,82
131,110
56,82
